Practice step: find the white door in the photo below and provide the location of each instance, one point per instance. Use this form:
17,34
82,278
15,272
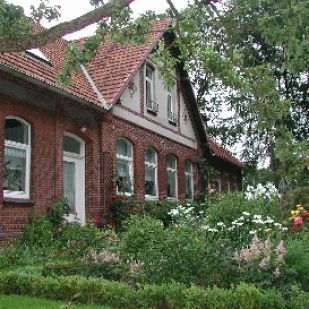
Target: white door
74,176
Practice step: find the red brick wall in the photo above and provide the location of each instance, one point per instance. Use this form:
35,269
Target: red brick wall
140,139
47,129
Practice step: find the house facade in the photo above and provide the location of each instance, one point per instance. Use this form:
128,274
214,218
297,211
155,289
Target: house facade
115,130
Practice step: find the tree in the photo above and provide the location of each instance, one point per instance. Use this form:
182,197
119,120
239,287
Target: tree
253,53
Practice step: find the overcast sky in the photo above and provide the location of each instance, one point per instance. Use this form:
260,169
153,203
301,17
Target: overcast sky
71,9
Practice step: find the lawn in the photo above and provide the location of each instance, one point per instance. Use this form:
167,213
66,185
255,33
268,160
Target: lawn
27,302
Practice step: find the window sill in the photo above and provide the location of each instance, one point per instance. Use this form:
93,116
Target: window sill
151,198
10,201
173,123
152,112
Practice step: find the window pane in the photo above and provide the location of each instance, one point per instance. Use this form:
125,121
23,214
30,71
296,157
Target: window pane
150,156
69,183
150,180
149,73
148,92
14,169
171,162
171,184
188,167
16,131
169,103
71,145
123,176
123,148
188,180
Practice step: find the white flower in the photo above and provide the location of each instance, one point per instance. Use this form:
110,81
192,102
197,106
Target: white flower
253,232
239,223
284,229
220,224
241,218
174,212
245,213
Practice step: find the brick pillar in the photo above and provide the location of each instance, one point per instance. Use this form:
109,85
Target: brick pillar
162,175
139,171
58,139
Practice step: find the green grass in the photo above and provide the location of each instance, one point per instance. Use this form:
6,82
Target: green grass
27,302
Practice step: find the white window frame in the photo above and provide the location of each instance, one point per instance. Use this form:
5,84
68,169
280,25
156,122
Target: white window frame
151,105
173,170
27,147
155,166
129,161
171,114
190,174
80,177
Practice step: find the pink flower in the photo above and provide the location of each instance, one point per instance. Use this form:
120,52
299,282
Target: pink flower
280,248
298,221
264,263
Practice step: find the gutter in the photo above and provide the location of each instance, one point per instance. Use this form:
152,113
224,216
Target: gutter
16,73
94,87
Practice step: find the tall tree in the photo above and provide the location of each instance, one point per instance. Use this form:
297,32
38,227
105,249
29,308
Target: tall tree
249,55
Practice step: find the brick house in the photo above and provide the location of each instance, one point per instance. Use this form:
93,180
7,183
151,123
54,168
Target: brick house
115,130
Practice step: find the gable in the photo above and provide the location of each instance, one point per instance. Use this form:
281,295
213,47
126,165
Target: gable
167,115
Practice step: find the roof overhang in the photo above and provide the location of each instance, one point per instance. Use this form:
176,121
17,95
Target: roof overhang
43,85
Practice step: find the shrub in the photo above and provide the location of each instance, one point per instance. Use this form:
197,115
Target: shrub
173,295
107,270
230,206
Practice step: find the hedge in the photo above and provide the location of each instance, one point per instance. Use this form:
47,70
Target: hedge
120,295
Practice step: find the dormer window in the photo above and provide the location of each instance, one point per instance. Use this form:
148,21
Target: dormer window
171,114
37,54
151,105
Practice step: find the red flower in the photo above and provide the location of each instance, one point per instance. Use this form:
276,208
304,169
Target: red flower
306,215
298,221
98,218
125,198
114,198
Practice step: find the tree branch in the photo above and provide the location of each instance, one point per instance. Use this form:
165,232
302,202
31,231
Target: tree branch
49,35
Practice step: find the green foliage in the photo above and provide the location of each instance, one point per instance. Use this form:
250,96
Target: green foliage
58,210
295,197
228,207
112,270
26,302
38,233
119,295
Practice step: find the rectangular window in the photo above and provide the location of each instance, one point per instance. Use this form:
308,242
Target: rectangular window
17,157
171,167
171,115
124,167
189,185
150,173
151,105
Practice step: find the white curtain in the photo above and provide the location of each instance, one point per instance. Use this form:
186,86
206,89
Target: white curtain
69,183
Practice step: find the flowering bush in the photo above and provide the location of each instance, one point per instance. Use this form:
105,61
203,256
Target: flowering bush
260,262
298,215
266,192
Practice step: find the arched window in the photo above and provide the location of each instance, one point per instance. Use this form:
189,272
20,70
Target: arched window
151,184
189,185
17,158
124,166
171,168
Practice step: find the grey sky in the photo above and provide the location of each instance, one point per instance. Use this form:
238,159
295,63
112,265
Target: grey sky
72,9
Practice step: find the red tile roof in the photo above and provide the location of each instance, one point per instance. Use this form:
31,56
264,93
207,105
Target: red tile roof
40,70
111,69
114,64
222,152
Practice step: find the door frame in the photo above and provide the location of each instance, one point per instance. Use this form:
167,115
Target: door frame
79,161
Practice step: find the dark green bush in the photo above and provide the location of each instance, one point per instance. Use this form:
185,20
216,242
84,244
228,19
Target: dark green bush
107,270
119,295
228,207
